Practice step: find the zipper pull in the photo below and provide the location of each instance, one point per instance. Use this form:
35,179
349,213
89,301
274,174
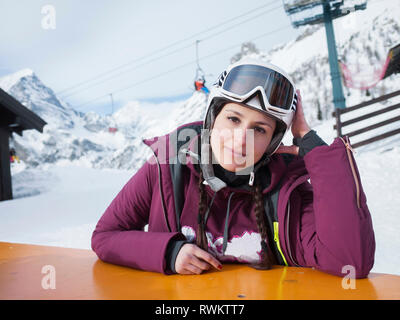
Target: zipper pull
251,180
276,231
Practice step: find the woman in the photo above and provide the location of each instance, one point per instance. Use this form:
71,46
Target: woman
227,190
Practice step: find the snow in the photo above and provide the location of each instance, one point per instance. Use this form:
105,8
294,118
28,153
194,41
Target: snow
7,82
379,175
59,205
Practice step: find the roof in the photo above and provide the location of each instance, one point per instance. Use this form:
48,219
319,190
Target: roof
16,117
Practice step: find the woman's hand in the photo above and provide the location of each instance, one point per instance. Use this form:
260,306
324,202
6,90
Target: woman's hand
300,128
193,260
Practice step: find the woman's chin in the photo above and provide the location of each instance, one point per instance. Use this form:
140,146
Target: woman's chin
229,167
232,167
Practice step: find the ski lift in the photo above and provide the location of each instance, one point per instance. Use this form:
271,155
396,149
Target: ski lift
199,80
361,76
112,129
365,77
13,156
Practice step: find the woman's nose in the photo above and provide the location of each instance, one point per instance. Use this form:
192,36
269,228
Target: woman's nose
239,136
242,137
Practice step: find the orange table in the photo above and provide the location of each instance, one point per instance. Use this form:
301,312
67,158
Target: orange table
80,275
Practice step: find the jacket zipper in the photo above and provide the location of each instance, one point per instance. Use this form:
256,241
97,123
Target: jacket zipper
353,170
287,236
276,239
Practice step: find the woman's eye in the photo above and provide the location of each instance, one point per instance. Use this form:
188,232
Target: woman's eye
260,130
234,119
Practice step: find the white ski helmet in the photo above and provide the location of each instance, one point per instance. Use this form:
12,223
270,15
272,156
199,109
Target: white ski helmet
258,85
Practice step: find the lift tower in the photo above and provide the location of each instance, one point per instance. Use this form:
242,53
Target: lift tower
302,12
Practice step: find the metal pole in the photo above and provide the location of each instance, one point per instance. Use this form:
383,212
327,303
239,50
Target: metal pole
112,104
199,71
197,54
338,96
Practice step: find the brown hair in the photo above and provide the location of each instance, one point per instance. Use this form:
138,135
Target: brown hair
201,239
267,259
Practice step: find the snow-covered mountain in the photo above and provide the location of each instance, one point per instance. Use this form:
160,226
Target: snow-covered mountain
84,139
88,139
71,136
26,87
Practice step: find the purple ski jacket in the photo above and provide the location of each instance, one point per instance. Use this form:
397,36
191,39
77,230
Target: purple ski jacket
323,218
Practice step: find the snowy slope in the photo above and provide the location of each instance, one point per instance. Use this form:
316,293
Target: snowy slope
59,205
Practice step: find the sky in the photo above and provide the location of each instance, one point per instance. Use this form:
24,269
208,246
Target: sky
134,50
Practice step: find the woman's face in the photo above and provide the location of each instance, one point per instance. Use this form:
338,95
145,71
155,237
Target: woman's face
240,136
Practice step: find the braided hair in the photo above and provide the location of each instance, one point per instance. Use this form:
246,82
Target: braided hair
267,259
201,238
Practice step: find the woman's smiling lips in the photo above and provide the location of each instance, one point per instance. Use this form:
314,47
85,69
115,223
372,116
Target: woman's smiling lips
236,154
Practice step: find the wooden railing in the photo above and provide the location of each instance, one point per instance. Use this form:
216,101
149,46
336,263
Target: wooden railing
339,124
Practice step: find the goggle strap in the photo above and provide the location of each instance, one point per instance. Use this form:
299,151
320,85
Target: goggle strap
294,104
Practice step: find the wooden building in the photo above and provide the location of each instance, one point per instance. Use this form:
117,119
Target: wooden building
394,62
14,117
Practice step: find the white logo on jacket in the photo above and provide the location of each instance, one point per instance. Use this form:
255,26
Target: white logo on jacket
244,248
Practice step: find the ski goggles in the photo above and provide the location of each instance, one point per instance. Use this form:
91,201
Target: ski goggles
277,91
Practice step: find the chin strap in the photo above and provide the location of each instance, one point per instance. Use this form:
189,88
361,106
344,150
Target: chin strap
258,165
251,180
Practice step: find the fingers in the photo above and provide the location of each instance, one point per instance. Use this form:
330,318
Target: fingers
298,97
193,265
200,264
196,266
193,260
299,126
288,149
299,108
192,269
207,257
299,105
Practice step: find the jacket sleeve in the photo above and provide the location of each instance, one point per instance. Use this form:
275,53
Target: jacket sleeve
119,236
336,228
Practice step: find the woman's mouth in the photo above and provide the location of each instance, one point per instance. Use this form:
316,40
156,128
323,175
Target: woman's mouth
235,153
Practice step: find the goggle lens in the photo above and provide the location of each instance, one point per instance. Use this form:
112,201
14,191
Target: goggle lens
278,89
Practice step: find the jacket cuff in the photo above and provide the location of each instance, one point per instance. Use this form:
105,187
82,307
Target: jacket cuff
308,142
172,252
